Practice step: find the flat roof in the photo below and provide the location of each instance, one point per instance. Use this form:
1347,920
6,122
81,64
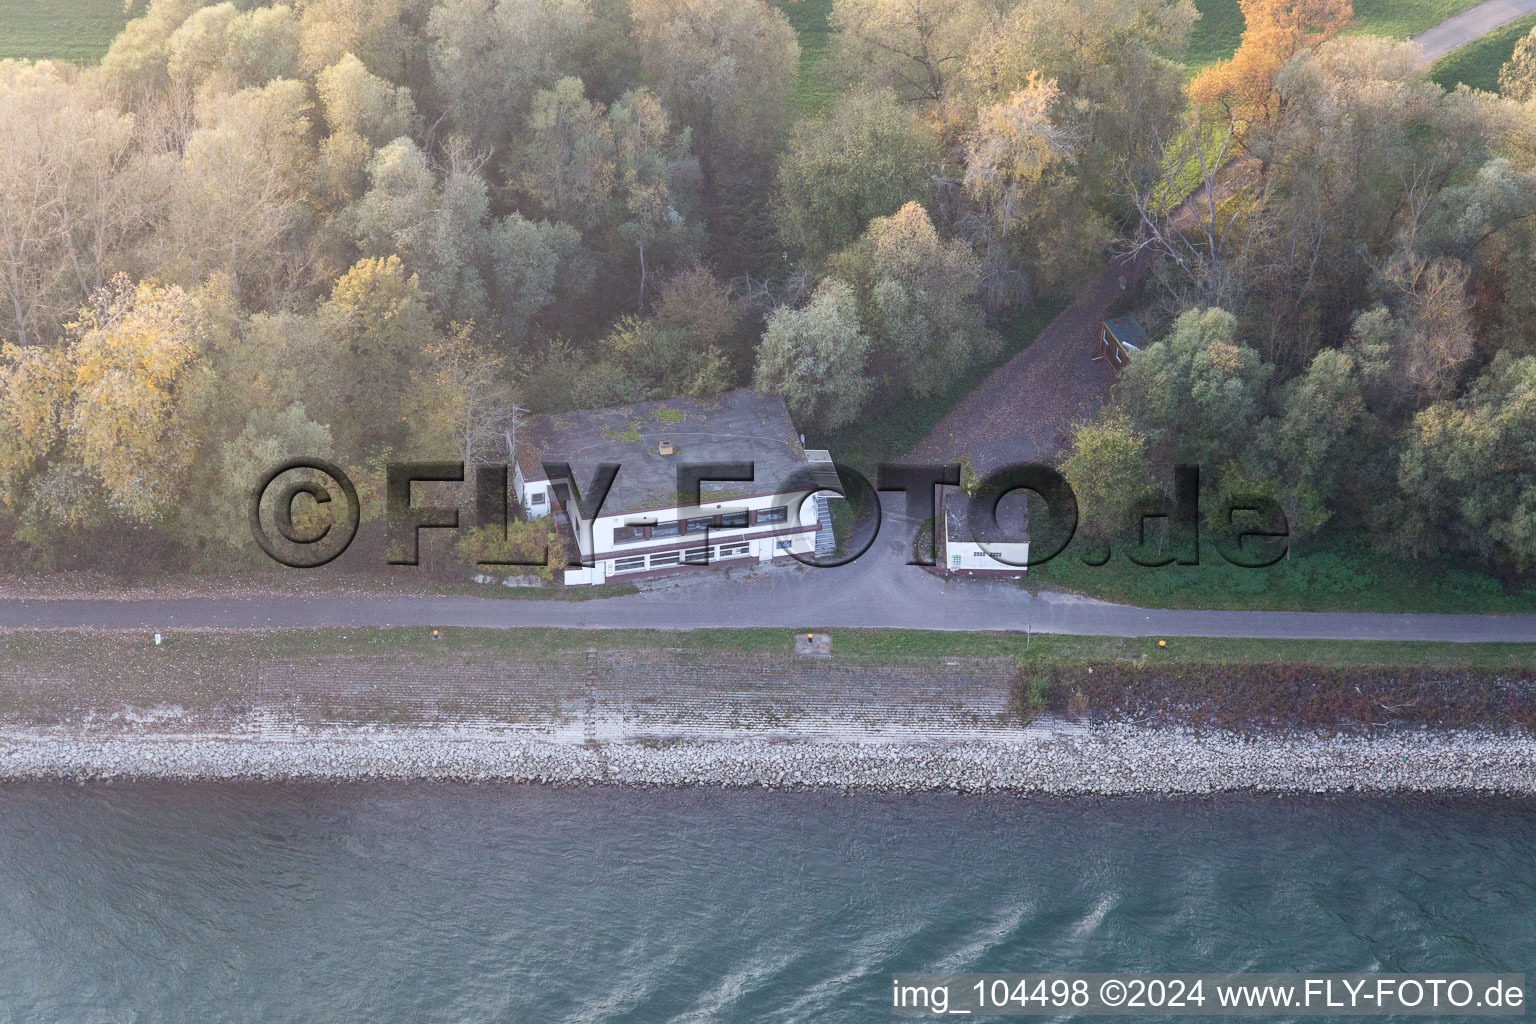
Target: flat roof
737,426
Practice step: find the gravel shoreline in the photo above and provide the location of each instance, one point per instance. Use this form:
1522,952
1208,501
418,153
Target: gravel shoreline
1095,761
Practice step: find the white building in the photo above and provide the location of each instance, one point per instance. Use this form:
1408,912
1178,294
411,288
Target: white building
963,555
644,526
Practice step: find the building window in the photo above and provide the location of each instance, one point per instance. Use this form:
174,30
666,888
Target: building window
733,520
700,524
666,558
634,563
697,556
778,514
671,529
735,550
786,545
538,498
628,534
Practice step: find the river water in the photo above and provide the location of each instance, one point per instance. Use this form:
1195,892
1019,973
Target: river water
416,902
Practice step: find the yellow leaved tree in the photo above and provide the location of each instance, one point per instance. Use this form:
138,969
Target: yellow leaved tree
115,415
1274,32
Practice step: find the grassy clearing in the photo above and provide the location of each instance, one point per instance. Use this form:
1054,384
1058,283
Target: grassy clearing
1220,26
1216,34
101,655
1336,576
76,30
1477,64
814,90
892,428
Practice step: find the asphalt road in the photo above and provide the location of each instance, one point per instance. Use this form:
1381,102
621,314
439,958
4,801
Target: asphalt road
878,591
1454,33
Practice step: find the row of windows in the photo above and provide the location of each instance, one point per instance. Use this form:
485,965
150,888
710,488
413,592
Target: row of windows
681,527
693,556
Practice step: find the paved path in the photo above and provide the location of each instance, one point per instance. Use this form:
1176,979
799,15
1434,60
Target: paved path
1454,33
877,591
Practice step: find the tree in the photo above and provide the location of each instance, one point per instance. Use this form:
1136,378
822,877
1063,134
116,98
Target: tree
117,413
35,384
459,402
644,359
1274,31
1008,154
1319,414
355,100
1107,469
725,68
646,152
815,358
437,229
1198,394
1517,78
136,62
220,517
567,162
1468,468
377,324
1117,65
489,58
866,159
914,46
71,197
384,34
533,262
243,177
697,302
917,300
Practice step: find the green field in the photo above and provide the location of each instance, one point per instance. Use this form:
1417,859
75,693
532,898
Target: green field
815,91
1477,64
1221,23
1333,573
77,30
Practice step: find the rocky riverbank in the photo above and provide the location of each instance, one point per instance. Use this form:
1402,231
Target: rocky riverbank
1103,761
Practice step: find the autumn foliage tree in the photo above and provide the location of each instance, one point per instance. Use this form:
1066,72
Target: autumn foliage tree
1274,32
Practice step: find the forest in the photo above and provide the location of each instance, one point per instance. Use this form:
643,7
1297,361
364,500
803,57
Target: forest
376,229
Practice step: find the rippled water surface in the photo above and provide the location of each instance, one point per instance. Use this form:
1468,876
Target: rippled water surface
467,903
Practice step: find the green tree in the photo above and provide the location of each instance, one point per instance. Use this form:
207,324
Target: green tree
1107,469
376,324
916,46
1319,416
816,358
866,159
437,229
1468,470
533,263
489,58
567,162
726,67
917,301
1517,78
1197,394
646,151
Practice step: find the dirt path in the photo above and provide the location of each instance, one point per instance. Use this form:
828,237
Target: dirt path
1021,412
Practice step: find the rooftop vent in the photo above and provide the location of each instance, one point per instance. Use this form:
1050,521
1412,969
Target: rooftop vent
665,448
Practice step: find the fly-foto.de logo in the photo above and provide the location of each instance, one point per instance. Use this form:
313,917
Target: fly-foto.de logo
306,512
